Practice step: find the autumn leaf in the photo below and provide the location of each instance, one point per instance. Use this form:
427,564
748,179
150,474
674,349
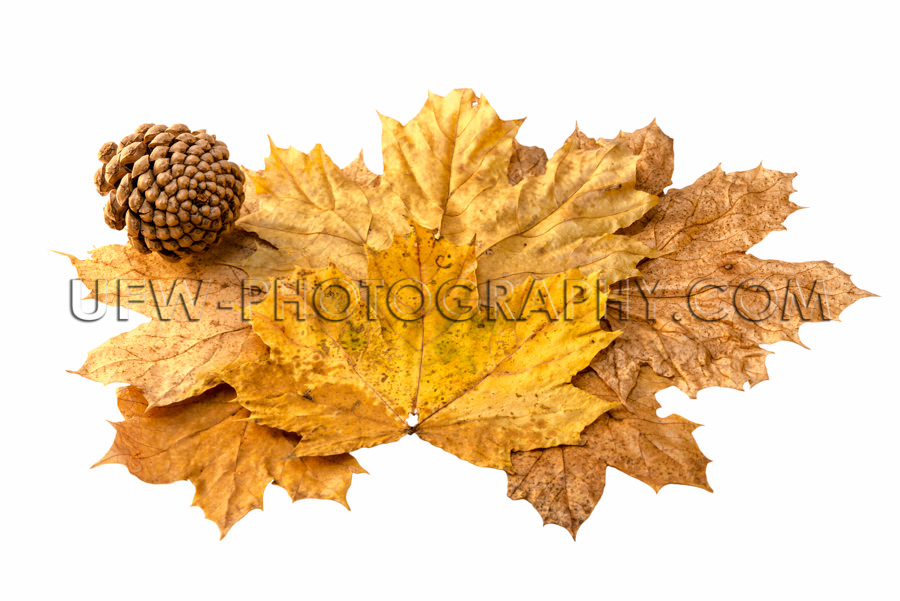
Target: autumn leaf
565,483
701,310
656,157
456,168
480,386
195,328
313,213
652,147
229,460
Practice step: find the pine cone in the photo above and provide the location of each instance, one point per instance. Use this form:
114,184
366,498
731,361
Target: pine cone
173,189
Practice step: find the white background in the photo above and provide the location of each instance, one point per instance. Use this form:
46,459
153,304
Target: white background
805,465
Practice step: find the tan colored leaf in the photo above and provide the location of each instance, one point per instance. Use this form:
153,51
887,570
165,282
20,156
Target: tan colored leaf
230,461
565,483
480,387
655,150
565,218
656,157
313,213
700,311
446,156
194,329
694,319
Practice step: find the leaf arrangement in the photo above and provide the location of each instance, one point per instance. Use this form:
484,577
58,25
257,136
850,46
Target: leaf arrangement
518,311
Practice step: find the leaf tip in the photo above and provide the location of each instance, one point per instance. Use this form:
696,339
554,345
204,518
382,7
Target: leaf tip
72,258
111,454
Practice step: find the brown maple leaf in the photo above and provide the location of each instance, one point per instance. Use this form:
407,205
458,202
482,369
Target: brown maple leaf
656,157
229,460
701,310
565,483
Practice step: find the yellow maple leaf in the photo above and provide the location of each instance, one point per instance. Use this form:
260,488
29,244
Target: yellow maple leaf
481,380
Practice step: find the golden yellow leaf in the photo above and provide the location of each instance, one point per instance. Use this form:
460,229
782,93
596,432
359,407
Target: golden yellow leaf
229,460
194,329
480,387
565,483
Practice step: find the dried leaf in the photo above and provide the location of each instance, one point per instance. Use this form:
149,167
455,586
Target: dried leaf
656,157
452,151
194,329
229,460
480,387
565,483
700,311
314,213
